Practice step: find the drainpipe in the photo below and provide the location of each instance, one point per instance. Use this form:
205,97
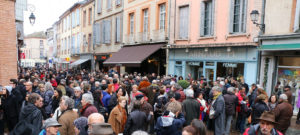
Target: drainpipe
262,21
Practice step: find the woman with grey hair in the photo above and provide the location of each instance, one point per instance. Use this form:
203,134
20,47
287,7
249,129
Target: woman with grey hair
47,105
87,103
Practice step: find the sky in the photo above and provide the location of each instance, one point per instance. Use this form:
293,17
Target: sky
47,12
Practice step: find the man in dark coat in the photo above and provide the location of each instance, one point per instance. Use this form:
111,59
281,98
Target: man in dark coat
218,105
190,107
287,91
259,108
137,119
231,101
283,114
31,113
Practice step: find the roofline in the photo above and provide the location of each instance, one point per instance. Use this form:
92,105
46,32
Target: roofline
71,8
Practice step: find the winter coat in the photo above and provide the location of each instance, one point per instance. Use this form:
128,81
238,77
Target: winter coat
70,92
146,107
169,126
258,109
48,101
231,101
191,109
289,95
219,116
66,120
55,104
43,132
283,114
252,130
32,115
112,102
136,121
105,99
115,120
298,102
89,110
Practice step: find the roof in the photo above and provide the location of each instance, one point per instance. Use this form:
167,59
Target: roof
40,34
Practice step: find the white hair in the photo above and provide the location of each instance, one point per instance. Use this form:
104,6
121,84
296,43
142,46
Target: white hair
283,96
77,88
189,93
139,132
88,98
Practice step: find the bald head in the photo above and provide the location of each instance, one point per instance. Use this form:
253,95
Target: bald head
95,118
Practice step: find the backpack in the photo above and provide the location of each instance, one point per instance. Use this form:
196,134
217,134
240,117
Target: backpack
23,127
160,105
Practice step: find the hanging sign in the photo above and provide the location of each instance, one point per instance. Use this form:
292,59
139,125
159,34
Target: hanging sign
232,65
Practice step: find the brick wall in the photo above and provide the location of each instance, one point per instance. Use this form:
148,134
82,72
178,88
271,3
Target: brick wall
8,50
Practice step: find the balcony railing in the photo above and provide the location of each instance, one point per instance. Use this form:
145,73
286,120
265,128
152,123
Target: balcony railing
143,37
159,35
130,39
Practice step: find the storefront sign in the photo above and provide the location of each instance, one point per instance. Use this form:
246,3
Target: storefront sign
194,63
232,65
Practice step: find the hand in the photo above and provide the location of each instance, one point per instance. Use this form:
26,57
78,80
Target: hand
151,113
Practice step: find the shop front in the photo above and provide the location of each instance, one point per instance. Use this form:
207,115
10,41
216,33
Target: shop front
280,65
99,59
238,62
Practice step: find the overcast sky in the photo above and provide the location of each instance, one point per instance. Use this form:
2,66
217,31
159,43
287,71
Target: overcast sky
46,12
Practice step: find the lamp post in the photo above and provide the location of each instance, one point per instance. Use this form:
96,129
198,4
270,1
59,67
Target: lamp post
31,8
254,18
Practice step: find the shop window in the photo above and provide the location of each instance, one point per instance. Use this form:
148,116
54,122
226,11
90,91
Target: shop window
178,62
289,61
225,69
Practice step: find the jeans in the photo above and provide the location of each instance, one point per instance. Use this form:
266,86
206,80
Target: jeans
228,124
240,123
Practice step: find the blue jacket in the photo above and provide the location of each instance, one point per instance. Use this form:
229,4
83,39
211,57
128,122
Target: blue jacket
169,126
105,99
48,101
43,132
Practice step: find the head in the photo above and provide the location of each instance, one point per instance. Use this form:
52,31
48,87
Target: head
267,122
66,103
95,118
77,91
41,87
174,107
136,105
13,82
48,86
189,93
139,132
97,84
80,124
35,99
121,91
287,88
273,98
28,86
189,130
199,126
231,90
57,93
134,88
51,126
283,97
115,81
171,96
87,98
97,95
176,87
216,90
122,101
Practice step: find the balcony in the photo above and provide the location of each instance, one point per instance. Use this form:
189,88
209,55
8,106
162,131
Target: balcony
130,39
159,35
143,37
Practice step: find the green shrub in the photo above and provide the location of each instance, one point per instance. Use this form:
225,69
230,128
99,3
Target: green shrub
184,83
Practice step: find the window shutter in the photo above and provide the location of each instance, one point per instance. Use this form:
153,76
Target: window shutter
109,31
118,25
245,15
202,16
297,17
231,14
103,31
108,4
212,17
186,22
94,32
79,42
99,6
181,22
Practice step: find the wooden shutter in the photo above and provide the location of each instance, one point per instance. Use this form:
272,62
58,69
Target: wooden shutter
202,17
99,6
212,17
231,16
297,17
245,15
108,31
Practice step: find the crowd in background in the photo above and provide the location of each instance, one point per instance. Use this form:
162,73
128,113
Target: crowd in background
49,102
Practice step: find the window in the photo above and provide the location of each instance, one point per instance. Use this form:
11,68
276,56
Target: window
68,22
207,11
73,44
118,2
78,43
84,18
73,19
108,4
131,23
238,16
183,22
90,16
78,17
99,6
145,20
65,48
106,31
162,16
118,29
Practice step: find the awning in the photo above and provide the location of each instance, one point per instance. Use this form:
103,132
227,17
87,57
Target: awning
78,62
132,55
279,47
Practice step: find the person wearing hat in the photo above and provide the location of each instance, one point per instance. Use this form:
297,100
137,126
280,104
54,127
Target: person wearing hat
101,129
259,107
265,126
50,127
283,114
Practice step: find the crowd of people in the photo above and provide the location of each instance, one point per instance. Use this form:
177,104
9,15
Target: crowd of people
51,102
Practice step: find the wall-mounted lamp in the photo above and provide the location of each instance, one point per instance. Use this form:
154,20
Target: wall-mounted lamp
254,18
186,50
228,49
206,49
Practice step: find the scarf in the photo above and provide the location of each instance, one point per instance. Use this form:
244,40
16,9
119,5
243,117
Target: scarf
84,107
216,96
124,114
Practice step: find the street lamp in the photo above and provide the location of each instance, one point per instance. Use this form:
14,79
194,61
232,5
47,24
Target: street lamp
254,18
32,18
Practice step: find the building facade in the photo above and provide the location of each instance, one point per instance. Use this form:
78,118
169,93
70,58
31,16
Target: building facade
145,32
213,39
35,50
280,47
108,30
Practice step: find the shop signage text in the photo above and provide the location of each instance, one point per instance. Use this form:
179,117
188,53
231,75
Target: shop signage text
232,65
194,63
